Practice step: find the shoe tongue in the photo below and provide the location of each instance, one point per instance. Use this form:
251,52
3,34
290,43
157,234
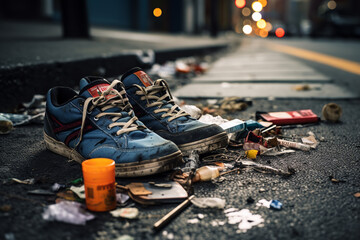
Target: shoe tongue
93,86
136,76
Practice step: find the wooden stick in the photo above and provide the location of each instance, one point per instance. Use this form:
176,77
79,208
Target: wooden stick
166,219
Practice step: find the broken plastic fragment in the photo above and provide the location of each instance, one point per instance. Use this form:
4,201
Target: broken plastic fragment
263,203
208,202
69,212
29,181
251,154
79,191
206,173
121,197
130,213
245,218
275,204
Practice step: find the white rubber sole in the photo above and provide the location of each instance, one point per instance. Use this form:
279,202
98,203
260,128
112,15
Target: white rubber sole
205,145
135,169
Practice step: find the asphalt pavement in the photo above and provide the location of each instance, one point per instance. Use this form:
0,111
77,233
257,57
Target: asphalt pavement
314,207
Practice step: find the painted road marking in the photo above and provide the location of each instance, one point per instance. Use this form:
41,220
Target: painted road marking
346,65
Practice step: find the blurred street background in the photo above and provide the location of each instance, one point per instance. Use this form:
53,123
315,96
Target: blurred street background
280,55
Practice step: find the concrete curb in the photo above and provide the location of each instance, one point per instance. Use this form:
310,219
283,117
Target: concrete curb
20,83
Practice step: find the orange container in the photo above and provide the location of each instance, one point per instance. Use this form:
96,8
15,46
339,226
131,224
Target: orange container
99,181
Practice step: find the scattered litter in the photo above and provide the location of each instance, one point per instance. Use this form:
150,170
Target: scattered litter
231,210
305,87
251,154
76,181
56,187
193,221
290,117
295,145
217,222
67,195
245,218
263,203
331,112
207,118
194,111
121,198
261,190
129,213
334,180
191,162
29,181
79,191
209,202
69,212
276,204
22,119
206,173
275,151
310,140
234,125
201,216
41,192
357,195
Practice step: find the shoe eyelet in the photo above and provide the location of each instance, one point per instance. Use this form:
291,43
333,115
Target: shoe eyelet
108,128
89,112
96,118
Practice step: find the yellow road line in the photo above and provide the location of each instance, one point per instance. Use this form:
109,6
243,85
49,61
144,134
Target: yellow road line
346,65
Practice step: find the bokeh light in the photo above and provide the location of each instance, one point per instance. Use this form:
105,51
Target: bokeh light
263,33
246,11
240,3
279,32
261,24
257,6
268,27
256,16
263,2
247,29
331,5
157,12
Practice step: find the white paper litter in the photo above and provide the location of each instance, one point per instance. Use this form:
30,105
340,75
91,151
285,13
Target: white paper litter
208,202
66,211
209,119
79,191
245,218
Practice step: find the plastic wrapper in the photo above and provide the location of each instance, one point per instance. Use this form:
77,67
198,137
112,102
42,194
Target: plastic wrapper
295,145
130,213
209,119
68,212
193,110
206,173
209,202
245,218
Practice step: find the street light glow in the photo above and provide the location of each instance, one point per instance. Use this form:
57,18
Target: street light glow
240,3
263,2
268,27
247,29
261,24
157,12
331,5
279,32
246,11
256,16
257,6
263,33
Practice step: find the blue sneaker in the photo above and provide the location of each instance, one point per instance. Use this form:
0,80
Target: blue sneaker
99,123
154,106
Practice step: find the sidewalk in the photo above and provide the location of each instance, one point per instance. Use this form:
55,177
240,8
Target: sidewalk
35,58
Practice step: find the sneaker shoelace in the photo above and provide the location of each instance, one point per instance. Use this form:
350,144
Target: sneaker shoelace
111,98
150,94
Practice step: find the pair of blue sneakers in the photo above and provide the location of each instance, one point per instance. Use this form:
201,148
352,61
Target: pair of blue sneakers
134,121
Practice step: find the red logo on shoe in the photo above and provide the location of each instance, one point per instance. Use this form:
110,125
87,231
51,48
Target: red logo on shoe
144,78
97,90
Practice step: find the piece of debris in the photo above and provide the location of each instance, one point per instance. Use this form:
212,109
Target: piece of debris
305,87
79,191
263,203
245,218
161,185
290,117
124,237
41,192
251,154
357,195
334,180
129,213
6,125
67,195
68,212
193,221
56,187
122,198
208,202
206,173
331,112
191,162
261,190
29,181
264,168
194,111
295,145
276,204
